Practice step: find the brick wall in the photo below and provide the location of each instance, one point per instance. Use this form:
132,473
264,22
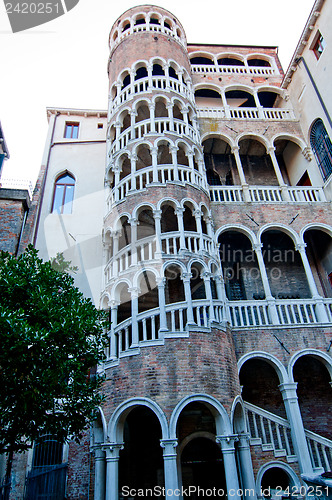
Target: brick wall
13,205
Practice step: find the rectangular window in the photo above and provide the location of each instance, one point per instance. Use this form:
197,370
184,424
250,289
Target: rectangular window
71,130
319,45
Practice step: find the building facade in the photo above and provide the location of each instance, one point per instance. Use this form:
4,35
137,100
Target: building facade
208,239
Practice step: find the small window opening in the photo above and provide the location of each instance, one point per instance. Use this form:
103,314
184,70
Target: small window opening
100,125
319,45
71,130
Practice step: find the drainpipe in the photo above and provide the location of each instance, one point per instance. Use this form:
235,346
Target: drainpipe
298,60
44,180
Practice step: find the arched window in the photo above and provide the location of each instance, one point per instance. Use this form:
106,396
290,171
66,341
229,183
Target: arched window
322,148
63,194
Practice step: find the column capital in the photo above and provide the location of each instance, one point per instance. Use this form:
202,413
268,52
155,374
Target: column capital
244,440
133,221
198,213
179,210
227,442
114,303
157,213
307,153
186,276
133,157
206,275
113,451
271,149
161,281
154,150
134,291
235,149
133,112
151,105
169,446
257,247
288,390
300,247
174,149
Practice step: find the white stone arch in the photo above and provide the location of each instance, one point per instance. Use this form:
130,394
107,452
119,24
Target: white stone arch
189,201
60,173
223,137
99,432
173,262
222,421
202,53
157,60
121,114
117,222
270,359
264,57
172,201
104,301
239,86
290,137
142,142
140,63
141,101
123,73
147,269
200,261
321,356
117,420
232,55
164,140
281,465
124,22
238,416
271,88
198,154
279,227
254,136
239,228
175,100
203,206
320,226
182,142
152,13
119,158
138,208
208,86
161,97
175,65
116,289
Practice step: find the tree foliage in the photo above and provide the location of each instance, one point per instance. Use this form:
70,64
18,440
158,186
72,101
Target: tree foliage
50,338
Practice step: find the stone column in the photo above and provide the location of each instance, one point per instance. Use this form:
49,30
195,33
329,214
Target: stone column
174,151
134,312
179,213
133,238
116,172
208,293
281,182
187,292
199,230
154,155
320,308
247,473
185,112
133,115
114,321
166,71
112,471
133,161
117,126
152,118
132,81
150,77
243,182
116,237
266,285
258,105
100,474
169,108
227,444
299,440
162,303
157,221
170,467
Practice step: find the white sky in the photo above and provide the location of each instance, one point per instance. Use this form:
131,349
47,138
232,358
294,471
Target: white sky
63,63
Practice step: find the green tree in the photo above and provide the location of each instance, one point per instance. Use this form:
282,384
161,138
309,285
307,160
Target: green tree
50,338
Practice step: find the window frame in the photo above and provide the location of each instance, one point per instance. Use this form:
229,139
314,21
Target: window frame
59,208
318,45
322,147
73,127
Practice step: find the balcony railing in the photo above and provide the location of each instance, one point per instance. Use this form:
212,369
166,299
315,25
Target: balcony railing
162,125
273,434
266,194
147,249
143,86
141,179
232,113
233,70
141,28
240,314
